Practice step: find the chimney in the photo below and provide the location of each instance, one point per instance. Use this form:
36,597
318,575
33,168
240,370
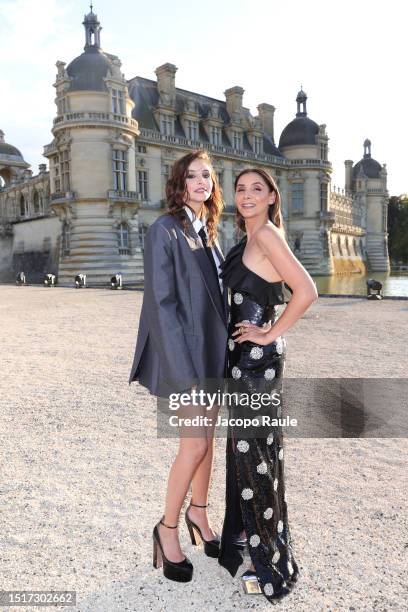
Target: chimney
42,168
166,83
349,174
233,98
266,114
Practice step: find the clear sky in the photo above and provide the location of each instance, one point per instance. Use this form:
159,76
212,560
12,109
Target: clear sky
350,57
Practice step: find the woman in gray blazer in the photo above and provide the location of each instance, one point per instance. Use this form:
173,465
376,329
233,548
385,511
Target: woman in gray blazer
181,344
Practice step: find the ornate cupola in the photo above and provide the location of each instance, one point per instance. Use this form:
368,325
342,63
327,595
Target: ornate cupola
301,103
92,30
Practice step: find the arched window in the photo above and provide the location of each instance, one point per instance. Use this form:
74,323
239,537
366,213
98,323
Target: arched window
36,201
65,239
123,239
22,206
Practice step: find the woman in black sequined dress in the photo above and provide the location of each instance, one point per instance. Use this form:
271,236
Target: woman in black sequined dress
255,492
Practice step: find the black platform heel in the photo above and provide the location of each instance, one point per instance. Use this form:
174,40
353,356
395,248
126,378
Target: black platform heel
211,547
181,571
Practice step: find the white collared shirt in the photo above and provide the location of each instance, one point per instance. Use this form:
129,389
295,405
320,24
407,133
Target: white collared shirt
197,225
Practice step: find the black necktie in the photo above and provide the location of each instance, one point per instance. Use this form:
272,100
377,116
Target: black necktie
209,252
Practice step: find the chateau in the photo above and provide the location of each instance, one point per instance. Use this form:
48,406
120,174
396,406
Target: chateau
114,142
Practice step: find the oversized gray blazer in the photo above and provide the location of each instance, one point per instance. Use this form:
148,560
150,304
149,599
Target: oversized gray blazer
182,336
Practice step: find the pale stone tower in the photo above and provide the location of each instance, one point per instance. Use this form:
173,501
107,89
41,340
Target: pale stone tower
92,167
368,180
307,189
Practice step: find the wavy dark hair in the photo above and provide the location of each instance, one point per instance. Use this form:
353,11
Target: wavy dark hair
176,192
274,211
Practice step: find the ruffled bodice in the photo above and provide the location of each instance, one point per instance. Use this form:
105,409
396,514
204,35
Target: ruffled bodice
237,276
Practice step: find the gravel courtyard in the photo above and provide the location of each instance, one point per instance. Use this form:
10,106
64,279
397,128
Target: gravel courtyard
83,473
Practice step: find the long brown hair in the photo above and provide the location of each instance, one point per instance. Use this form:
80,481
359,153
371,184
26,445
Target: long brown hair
274,210
176,191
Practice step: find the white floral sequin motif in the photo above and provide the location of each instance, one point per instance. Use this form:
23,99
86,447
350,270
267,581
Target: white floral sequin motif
268,589
238,298
280,526
254,540
275,484
279,345
243,446
268,514
290,568
236,372
269,439
256,352
247,494
262,468
269,374
276,557
231,344
280,454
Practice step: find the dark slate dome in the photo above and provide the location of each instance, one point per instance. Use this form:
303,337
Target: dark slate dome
368,165
88,71
8,149
302,130
371,168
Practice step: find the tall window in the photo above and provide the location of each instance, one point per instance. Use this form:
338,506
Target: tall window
236,140
22,206
142,185
166,176
215,135
192,130
384,218
257,145
61,171
119,170
118,102
62,105
297,198
166,125
323,196
65,239
123,239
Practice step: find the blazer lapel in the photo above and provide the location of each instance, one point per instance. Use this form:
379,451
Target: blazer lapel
206,269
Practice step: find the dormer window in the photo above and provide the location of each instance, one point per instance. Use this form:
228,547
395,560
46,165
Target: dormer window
118,102
236,140
257,145
192,130
215,135
166,125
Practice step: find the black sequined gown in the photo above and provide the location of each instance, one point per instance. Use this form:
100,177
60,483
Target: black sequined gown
255,491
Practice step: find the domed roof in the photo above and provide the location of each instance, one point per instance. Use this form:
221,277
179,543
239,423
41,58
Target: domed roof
369,166
8,149
302,130
88,70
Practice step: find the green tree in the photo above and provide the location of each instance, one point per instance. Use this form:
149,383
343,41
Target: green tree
398,228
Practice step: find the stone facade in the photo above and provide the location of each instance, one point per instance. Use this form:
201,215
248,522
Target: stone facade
114,141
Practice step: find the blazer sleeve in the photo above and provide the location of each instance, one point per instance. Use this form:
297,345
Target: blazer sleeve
165,328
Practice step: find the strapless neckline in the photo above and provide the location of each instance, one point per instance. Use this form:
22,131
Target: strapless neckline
236,275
